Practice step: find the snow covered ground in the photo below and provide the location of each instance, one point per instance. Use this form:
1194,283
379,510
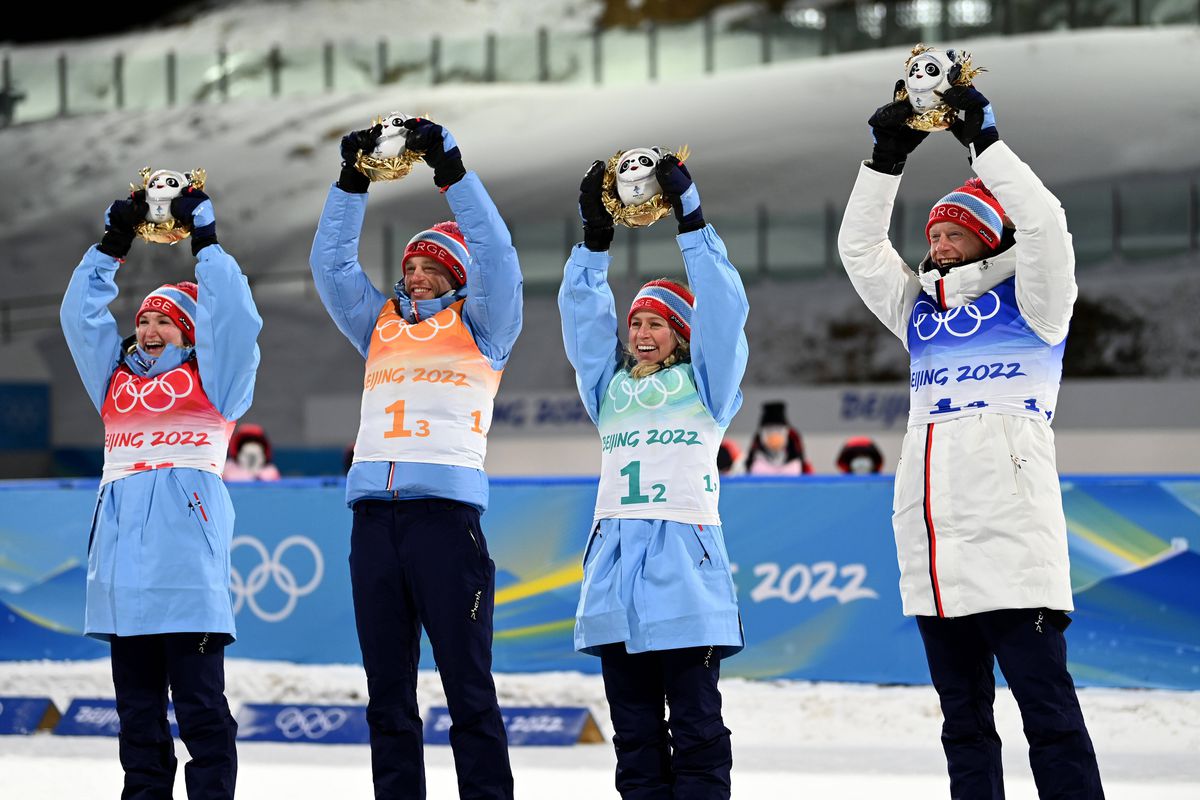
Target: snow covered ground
791,739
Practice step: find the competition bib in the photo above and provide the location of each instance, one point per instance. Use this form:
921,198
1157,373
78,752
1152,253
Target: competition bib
980,358
164,421
428,392
659,450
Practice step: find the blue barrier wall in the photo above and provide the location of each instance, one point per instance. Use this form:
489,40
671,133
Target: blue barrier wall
814,557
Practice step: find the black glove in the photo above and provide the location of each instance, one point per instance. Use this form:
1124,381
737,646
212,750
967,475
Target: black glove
353,143
681,193
438,148
193,207
894,140
978,125
120,220
597,222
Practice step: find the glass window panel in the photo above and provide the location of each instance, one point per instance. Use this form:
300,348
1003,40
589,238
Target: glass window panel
1154,216
35,76
249,74
658,253
90,85
1170,12
302,71
517,58
1089,218
356,66
465,60
408,62
625,57
737,50
796,243
197,78
680,51
974,18
790,42
146,82
543,249
571,57
740,235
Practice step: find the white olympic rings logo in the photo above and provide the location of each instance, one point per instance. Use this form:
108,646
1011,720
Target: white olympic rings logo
423,331
943,319
272,568
634,390
126,393
311,723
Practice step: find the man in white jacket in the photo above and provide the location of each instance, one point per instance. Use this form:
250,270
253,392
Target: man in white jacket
980,532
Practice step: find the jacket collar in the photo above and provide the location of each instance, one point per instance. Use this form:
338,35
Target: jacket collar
415,311
142,363
966,283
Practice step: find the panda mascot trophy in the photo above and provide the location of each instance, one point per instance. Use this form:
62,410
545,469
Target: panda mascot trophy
927,73
391,159
161,187
630,191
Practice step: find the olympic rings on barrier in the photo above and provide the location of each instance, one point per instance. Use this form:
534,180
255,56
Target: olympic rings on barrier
126,393
310,723
427,328
943,319
272,568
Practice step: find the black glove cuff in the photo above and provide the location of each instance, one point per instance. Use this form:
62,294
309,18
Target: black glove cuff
116,243
597,239
448,173
199,244
353,181
886,165
985,139
692,225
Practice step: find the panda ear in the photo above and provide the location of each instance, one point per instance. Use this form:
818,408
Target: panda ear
658,151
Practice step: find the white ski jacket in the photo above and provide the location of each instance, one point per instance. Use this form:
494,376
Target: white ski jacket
977,512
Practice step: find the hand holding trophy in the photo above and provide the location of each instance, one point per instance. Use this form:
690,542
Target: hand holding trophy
929,73
381,152
159,189
631,191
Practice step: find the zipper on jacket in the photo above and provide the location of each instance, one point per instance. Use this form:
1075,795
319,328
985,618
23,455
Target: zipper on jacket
196,514
703,549
1017,461
930,531
595,534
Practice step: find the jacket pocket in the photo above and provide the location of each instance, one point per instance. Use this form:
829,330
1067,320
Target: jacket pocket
595,534
95,522
705,554
1014,463
196,509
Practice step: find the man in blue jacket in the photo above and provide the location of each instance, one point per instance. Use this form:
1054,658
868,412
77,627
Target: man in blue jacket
435,349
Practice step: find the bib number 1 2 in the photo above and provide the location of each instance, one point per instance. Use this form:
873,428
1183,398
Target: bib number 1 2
633,471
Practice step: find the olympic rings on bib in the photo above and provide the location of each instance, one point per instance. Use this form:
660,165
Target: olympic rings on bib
945,319
423,331
649,392
156,395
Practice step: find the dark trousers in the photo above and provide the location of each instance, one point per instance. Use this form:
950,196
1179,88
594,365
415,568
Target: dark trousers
424,564
192,665
1032,652
685,756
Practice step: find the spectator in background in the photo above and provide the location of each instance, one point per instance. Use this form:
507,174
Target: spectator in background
729,458
250,456
860,456
777,448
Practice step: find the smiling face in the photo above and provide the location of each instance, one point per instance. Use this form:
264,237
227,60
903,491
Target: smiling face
636,182
425,279
155,331
951,244
651,339
926,73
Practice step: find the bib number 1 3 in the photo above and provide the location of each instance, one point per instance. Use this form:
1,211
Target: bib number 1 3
633,472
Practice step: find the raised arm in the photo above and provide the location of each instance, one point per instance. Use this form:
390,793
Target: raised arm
493,308
227,321
585,303
879,274
92,334
348,295
1046,287
718,342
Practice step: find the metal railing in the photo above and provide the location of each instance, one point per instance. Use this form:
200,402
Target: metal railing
39,84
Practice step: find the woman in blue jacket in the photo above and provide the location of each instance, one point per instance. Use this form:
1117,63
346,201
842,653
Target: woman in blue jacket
158,551
658,604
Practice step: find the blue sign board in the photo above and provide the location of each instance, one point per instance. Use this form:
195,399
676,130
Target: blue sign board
260,722
97,716
552,726
24,715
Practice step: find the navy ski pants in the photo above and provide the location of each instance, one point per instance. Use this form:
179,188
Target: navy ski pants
193,666
1032,652
424,564
684,756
